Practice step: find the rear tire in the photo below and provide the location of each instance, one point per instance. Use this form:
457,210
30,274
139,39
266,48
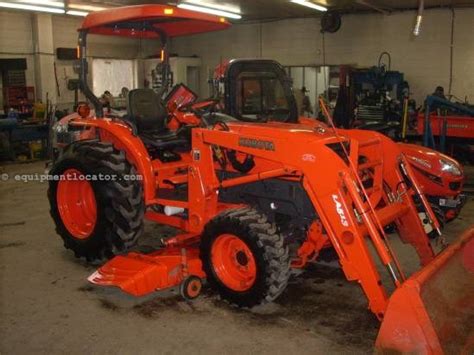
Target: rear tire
258,270
119,203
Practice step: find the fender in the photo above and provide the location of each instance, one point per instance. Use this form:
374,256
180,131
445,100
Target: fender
121,137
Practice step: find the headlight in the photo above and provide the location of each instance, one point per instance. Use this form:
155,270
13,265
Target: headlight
450,167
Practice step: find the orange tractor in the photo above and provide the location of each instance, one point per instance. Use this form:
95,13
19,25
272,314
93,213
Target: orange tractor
252,201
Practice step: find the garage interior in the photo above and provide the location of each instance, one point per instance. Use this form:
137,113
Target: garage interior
399,71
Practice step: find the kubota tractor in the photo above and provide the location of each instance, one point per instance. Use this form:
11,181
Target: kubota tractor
289,192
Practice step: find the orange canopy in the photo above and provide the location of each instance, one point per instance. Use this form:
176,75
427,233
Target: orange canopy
146,21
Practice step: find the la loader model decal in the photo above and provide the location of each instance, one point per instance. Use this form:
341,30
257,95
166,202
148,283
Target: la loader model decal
340,211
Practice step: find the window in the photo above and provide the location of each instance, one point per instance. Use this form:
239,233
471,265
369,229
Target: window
260,95
112,75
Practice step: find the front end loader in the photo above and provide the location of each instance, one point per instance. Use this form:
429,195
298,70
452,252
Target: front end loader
252,202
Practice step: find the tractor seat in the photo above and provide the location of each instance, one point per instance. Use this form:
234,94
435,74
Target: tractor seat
148,114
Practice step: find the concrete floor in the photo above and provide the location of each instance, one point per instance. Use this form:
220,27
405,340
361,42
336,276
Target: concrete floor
47,306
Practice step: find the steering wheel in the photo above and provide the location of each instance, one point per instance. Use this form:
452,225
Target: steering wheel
202,112
205,114
196,108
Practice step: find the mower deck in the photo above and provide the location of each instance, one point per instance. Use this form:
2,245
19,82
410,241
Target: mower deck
139,274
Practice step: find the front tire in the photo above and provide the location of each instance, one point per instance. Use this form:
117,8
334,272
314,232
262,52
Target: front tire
96,218
244,258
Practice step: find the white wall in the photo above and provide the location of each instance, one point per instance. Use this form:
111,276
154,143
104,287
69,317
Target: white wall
17,41
424,60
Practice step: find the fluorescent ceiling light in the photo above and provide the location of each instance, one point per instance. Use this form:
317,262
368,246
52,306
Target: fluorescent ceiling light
18,6
213,5
76,13
209,10
310,5
42,2
86,7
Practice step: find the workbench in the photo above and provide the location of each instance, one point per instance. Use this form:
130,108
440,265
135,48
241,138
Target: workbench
23,132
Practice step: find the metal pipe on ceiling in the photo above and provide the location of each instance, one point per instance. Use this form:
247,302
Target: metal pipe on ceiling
419,18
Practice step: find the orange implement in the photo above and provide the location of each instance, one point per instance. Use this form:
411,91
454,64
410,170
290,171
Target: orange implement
433,311
139,274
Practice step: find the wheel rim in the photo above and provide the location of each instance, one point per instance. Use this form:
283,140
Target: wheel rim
76,204
233,262
193,288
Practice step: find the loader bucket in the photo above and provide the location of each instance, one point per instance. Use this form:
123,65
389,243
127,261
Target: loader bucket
433,311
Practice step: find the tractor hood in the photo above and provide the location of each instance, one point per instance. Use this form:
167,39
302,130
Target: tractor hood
431,161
